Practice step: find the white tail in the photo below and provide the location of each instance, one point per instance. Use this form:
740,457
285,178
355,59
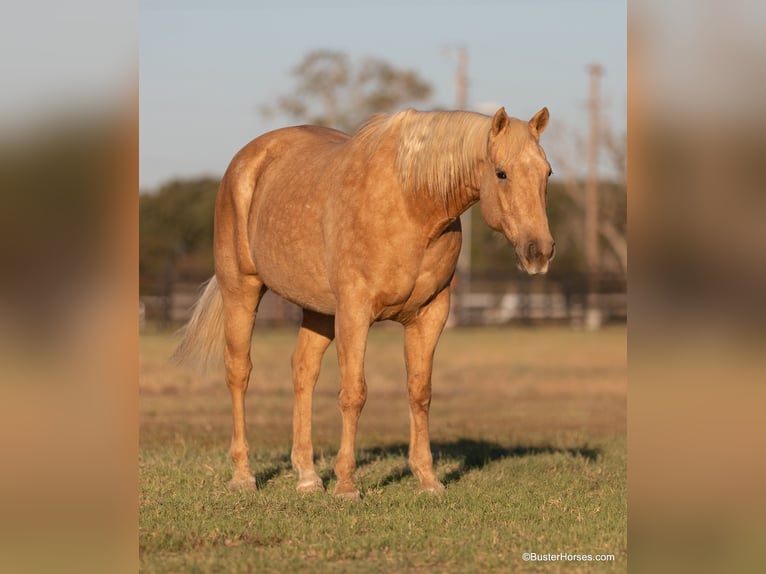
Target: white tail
203,338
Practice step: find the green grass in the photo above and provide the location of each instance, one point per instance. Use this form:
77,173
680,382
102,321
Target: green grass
528,431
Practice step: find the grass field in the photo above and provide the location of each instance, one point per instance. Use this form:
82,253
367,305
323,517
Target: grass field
529,436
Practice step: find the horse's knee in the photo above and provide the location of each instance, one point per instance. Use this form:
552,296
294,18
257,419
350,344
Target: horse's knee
353,398
419,392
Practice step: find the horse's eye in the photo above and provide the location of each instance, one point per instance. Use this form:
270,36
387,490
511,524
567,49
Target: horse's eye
500,174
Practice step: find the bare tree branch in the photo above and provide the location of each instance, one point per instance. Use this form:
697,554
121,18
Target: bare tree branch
607,230
330,90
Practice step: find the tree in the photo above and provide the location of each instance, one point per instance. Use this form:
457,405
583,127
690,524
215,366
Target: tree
333,91
612,199
176,234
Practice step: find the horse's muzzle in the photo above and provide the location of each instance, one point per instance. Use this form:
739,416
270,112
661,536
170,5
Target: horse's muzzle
534,256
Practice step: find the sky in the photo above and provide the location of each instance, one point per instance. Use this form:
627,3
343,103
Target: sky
207,68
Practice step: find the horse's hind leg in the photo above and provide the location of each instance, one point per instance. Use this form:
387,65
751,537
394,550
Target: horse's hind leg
316,334
240,302
420,338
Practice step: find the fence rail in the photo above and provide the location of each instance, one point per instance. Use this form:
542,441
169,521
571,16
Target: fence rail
493,300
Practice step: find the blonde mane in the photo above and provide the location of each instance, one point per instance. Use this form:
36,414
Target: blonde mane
437,153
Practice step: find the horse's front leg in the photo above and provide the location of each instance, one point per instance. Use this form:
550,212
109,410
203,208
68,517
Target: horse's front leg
420,338
316,334
352,323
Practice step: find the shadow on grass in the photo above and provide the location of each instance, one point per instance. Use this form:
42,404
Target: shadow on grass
470,455
476,454
282,464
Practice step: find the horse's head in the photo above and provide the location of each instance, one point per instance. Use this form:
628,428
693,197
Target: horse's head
513,188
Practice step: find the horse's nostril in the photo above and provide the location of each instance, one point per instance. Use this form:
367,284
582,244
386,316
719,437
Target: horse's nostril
531,250
553,250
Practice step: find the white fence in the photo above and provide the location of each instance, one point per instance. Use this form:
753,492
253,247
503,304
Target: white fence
509,305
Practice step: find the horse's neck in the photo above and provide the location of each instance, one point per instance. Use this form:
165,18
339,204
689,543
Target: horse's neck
465,198
437,214
451,204
455,203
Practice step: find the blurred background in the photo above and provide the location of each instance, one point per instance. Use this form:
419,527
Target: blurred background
69,237
213,78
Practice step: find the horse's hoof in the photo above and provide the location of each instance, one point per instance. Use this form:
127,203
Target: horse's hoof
353,496
242,483
347,492
310,485
433,489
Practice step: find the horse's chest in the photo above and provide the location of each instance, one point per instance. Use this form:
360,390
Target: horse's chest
433,274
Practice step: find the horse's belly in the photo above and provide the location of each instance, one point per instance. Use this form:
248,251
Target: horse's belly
289,257
306,292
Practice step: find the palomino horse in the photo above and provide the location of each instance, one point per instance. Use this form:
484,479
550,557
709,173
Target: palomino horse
358,229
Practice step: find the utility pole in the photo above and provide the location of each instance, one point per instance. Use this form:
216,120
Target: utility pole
592,310
461,103
461,78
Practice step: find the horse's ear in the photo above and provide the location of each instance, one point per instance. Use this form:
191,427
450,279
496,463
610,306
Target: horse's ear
539,121
500,121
